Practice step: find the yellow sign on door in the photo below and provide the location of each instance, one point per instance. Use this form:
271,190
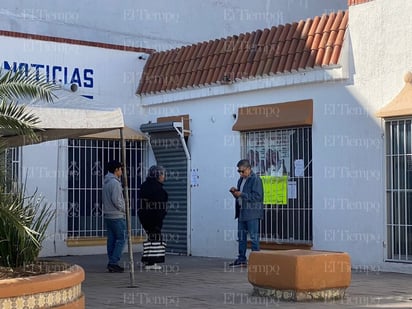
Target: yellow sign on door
275,189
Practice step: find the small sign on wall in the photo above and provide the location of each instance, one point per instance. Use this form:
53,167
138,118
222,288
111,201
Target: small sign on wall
194,177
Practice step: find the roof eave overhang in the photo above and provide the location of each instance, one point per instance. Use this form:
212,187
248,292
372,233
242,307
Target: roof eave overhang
317,75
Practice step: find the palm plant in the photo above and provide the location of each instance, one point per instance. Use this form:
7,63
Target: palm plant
23,219
15,86
23,224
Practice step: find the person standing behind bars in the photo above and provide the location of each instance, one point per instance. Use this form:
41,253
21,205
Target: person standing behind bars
151,214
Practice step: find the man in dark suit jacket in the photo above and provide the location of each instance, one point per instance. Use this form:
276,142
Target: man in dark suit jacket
249,209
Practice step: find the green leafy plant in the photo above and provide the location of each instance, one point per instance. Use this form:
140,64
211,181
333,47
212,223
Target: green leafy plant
23,224
23,218
17,86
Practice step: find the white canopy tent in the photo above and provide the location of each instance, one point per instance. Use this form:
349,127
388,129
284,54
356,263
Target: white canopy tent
74,116
70,116
59,123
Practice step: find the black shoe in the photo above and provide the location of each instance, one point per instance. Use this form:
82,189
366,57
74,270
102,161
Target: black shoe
114,268
238,263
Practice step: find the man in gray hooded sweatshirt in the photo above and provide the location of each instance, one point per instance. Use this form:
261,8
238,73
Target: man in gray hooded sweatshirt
114,215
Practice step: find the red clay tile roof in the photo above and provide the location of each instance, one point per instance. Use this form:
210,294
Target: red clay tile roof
354,2
285,48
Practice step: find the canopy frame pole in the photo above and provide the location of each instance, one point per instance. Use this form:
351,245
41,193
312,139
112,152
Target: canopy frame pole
127,206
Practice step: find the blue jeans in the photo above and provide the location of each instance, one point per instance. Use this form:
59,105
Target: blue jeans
116,239
243,228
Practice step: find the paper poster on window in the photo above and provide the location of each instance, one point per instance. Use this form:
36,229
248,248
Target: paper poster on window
269,154
299,168
275,189
292,192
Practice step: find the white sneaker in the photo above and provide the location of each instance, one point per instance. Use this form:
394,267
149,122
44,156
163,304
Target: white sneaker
153,267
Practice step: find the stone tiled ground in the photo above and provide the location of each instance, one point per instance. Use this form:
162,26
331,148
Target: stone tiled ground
196,282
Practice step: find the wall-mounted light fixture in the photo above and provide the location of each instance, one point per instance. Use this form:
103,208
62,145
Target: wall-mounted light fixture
69,87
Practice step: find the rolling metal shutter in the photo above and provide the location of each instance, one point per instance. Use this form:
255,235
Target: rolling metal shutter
169,148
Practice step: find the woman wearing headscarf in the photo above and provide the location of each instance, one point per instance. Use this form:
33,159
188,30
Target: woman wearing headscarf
152,211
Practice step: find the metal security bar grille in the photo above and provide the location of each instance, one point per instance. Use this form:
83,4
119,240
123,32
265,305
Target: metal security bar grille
283,159
12,166
86,170
399,190
169,152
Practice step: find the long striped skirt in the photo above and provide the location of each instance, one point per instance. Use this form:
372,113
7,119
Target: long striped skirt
153,252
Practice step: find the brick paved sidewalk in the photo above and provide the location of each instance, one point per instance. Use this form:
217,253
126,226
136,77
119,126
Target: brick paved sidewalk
196,282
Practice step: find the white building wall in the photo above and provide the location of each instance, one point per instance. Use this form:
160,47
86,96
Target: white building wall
151,24
39,167
380,37
347,177
159,24
348,163
349,209
347,170
215,150
112,83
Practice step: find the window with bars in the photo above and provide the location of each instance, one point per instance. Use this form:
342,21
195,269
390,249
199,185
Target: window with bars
86,170
399,189
283,159
12,167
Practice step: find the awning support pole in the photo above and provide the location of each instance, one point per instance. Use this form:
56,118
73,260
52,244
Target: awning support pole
128,219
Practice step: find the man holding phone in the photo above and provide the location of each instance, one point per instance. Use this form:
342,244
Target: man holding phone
248,210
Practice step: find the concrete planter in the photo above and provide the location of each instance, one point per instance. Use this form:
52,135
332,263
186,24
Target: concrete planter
60,289
299,275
